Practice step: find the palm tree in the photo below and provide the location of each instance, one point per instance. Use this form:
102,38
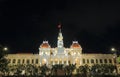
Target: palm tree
35,70
44,69
13,69
84,70
69,69
108,68
103,69
3,60
112,69
29,69
19,68
54,69
78,72
95,69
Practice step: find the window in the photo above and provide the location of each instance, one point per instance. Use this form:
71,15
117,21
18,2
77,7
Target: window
101,61
96,60
69,62
56,62
92,61
18,61
32,61
14,60
105,60
64,62
28,61
83,60
60,62
23,61
110,61
36,61
87,60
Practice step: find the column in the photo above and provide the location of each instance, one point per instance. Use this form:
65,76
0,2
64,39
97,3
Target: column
67,62
62,62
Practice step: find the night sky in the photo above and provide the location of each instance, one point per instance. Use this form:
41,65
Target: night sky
94,24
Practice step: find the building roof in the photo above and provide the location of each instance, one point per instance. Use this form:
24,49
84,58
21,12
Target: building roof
45,44
75,44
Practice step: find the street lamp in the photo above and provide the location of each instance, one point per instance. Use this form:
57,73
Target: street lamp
5,48
113,49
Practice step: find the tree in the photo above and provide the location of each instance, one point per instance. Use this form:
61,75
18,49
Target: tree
44,69
3,61
84,70
54,69
95,69
112,68
102,69
69,69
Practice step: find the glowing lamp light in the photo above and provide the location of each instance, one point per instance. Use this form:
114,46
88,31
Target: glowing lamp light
5,48
113,49
45,60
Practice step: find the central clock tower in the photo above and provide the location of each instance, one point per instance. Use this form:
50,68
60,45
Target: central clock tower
60,44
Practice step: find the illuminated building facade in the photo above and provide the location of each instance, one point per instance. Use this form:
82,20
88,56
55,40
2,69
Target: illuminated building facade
61,55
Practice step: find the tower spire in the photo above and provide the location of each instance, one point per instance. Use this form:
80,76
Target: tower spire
59,27
60,37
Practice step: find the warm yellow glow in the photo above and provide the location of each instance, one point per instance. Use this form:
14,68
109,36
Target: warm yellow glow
5,48
74,53
77,61
44,61
113,49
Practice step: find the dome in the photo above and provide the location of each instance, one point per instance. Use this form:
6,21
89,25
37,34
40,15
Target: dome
75,44
45,44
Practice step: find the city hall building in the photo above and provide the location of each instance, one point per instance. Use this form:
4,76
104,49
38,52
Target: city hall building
61,55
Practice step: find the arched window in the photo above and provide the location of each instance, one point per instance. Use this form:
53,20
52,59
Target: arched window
64,62
36,61
28,61
23,61
96,60
105,60
110,61
87,60
83,61
92,61
56,61
60,62
69,61
18,61
14,60
32,61
101,61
